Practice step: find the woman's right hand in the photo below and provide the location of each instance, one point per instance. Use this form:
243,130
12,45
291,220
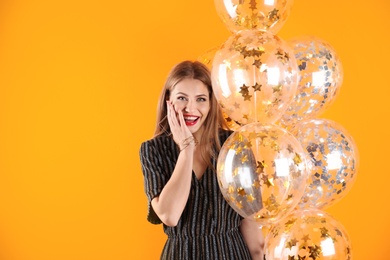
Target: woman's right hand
181,133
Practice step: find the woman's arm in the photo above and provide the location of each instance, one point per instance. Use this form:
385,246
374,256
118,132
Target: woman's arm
169,205
254,238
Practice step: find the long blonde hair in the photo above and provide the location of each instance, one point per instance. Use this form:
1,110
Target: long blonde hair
214,121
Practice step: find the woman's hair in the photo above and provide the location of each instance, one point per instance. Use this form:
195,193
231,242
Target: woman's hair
214,121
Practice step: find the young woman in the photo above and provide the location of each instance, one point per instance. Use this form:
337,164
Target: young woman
179,174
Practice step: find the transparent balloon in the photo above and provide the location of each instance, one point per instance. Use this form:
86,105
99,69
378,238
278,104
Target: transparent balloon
266,15
334,161
308,234
262,172
254,77
320,77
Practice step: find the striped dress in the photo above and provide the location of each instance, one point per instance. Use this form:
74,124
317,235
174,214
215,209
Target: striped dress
208,228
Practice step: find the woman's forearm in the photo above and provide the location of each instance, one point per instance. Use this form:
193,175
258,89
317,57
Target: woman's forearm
169,205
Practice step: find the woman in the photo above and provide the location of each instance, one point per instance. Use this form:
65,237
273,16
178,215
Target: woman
180,178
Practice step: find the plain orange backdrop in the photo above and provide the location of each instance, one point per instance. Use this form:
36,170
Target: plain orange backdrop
79,82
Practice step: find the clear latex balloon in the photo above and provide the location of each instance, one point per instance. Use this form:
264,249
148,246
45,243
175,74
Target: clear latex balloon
262,172
254,77
266,15
334,161
308,234
320,77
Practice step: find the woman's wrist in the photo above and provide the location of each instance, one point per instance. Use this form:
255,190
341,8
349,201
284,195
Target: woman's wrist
189,141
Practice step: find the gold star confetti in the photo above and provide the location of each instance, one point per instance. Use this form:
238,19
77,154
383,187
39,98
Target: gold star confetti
235,172
238,150
260,166
305,238
244,158
245,92
238,205
289,224
250,198
252,4
257,87
273,15
257,63
338,232
236,105
230,189
256,184
271,203
277,88
247,144
324,232
297,159
291,243
315,252
241,191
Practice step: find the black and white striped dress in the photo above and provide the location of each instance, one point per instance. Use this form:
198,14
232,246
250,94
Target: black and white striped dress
208,228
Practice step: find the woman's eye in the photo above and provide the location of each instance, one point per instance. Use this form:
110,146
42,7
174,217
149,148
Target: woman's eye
182,98
201,99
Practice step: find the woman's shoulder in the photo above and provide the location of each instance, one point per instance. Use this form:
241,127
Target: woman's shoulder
159,141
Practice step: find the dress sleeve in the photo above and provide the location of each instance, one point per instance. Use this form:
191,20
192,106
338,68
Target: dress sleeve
155,176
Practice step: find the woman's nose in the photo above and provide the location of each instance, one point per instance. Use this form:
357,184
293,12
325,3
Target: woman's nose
189,107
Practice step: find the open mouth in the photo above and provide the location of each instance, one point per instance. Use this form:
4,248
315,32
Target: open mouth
191,120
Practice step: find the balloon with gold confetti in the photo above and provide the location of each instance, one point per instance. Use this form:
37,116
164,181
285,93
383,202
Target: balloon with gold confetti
254,77
320,78
262,172
266,15
308,234
334,161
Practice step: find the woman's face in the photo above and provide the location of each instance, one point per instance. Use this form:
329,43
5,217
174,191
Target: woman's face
191,96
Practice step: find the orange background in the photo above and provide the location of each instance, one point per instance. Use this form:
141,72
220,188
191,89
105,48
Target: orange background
79,82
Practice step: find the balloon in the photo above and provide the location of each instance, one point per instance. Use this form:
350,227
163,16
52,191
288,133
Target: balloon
334,161
254,76
266,15
262,172
207,57
308,234
320,77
